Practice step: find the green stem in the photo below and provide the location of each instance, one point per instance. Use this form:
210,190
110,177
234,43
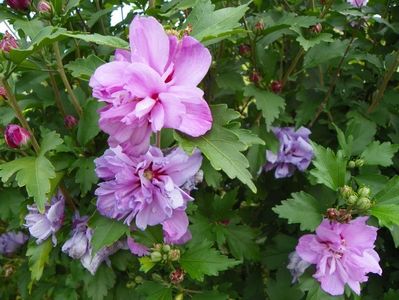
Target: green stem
20,116
64,78
58,101
158,139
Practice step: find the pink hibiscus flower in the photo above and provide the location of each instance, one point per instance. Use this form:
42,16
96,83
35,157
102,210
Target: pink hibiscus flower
152,86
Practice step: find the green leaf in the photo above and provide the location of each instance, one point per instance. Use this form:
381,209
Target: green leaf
38,258
49,142
309,43
85,174
88,124
10,201
379,154
344,142
223,115
330,51
146,264
269,103
362,130
281,288
210,295
312,286
387,214
105,40
276,253
83,68
106,231
376,182
210,25
97,286
200,259
212,177
302,208
155,291
330,169
390,193
32,172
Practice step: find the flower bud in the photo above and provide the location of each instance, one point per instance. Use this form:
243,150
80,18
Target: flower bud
156,256
166,248
244,49
16,136
177,276
44,7
8,42
3,93
174,255
70,121
259,26
316,28
332,213
363,203
276,86
351,164
359,163
138,279
364,191
255,77
19,4
157,247
346,191
351,200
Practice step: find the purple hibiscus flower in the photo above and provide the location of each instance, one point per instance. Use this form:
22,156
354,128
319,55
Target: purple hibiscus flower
11,242
343,254
295,152
152,86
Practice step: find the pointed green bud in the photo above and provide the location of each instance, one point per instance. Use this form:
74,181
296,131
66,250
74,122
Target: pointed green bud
364,191
351,164
346,191
363,203
351,200
166,248
156,256
359,163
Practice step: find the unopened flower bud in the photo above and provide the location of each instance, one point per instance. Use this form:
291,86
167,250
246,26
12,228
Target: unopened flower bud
364,191
316,28
351,200
166,248
174,255
157,247
351,164
359,163
156,256
16,136
8,42
177,276
44,7
19,4
259,26
70,121
332,213
244,49
179,296
346,191
255,77
3,93
363,203
276,86
138,279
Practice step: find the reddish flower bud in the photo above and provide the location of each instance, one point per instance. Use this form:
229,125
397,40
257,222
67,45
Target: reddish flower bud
3,93
177,276
259,26
225,222
255,77
244,49
316,28
8,42
332,213
16,136
276,86
19,4
70,121
43,7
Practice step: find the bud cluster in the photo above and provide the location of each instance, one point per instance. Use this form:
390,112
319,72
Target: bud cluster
360,199
356,163
164,253
339,215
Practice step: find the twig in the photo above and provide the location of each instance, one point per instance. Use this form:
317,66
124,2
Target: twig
58,100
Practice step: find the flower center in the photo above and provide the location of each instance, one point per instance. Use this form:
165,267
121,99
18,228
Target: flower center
149,174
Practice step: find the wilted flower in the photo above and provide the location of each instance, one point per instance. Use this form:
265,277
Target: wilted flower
70,121
343,254
146,188
152,87
16,136
296,266
18,4
295,152
255,77
358,3
192,182
79,244
244,49
44,7
11,241
276,86
8,42
41,226
137,248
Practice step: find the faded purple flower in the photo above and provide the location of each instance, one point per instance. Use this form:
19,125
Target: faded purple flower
295,152
70,121
358,3
18,4
44,7
343,254
8,42
192,182
79,244
296,266
153,86
146,188
137,248
11,241
41,226
16,136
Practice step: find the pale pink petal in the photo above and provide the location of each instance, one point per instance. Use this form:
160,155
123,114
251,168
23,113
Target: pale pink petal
144,106
304,251
332,284
136,248
142,81
122,55
149,43
173,110
175,227
191,62
157,117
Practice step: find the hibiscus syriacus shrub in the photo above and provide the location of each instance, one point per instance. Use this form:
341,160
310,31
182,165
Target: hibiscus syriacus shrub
199,149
